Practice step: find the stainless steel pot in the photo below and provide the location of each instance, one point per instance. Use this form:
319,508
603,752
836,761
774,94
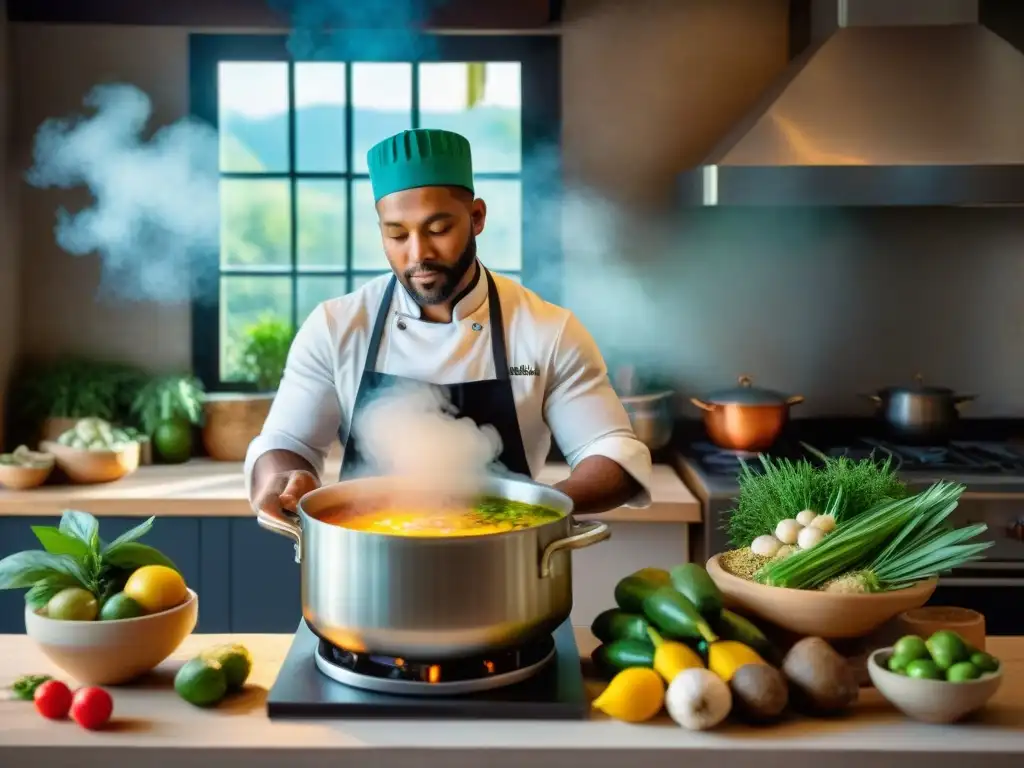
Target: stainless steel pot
651,417
434,598
919,413
745,418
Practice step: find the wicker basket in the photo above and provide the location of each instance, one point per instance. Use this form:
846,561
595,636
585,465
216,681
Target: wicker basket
233,421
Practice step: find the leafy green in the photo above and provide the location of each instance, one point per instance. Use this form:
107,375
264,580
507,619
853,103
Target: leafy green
492,509
74,555
24,687
782,488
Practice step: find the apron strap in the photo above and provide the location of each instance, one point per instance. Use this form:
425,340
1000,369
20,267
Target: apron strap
378,326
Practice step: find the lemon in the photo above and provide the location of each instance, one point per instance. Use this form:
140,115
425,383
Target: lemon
73,604
633,695
156,588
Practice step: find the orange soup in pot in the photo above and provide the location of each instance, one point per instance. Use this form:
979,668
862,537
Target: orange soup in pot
489,515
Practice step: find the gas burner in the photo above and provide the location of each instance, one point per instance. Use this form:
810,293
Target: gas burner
722,458
387,674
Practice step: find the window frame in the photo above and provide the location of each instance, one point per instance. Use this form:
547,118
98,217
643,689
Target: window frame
539,58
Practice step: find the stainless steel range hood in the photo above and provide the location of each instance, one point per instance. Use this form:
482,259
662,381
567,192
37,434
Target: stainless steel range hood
924,111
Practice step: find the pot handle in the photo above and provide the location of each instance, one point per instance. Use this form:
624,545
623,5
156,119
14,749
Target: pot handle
876,399
959,400
584,535
702,405
284,524
794,400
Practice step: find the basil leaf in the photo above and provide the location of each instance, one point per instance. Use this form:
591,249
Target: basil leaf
135,555
25,686
133,534
82,526
57,543
24,569
42,591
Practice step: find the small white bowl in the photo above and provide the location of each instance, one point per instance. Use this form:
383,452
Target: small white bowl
931,701
113,652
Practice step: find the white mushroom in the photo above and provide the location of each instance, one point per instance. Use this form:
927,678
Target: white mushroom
787,531
825,523
806,516
810,537
765,546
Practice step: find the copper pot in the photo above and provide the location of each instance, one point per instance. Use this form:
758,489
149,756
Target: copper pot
745,418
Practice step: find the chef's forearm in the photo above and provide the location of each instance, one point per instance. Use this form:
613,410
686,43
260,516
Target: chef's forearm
277,462
598,484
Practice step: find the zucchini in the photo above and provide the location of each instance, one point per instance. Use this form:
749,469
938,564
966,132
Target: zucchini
611,658
675,616
631,590
732,626
616,624
695,585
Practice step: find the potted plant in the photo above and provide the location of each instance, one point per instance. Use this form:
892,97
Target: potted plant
49,398
234,419
166,408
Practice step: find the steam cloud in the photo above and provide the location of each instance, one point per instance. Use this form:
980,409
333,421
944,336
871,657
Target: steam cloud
156,205
358,29
410,434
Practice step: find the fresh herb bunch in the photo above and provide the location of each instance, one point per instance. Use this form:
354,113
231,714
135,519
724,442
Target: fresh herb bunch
491,509
893,545
783,488
74,555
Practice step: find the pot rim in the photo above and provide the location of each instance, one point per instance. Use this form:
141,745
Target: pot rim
745,393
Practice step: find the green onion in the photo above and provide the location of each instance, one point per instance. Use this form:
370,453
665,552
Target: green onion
895,542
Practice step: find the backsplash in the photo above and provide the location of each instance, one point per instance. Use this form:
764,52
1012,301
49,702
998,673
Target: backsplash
823,303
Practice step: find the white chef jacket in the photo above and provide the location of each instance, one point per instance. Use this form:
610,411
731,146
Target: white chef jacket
559,379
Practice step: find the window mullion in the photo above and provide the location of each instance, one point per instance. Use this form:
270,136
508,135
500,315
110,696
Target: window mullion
293,196
349,165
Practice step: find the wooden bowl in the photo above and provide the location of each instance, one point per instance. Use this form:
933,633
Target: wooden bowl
828,615
22,478
931,701
113,652
83,466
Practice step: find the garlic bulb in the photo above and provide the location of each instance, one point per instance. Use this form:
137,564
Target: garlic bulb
766,546
809,537
825,523
698,699
785,551
806,516
787,531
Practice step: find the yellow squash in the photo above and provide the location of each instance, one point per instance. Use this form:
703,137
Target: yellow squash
726,656
633,695
671,658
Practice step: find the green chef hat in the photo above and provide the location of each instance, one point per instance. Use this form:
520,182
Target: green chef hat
426,157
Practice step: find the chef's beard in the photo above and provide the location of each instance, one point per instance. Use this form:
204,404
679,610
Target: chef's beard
447,278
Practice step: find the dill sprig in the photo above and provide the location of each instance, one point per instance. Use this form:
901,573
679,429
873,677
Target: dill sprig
784,487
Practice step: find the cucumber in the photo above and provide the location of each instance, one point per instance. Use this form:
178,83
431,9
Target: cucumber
631,591
613,657
616,624
675,616
732,626
695,585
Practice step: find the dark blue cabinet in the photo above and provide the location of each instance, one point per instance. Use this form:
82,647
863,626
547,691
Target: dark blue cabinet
178,538
266,591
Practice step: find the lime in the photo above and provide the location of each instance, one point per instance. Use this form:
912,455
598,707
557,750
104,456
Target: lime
235,660
962,671
947,648
911,647
201,682
984,661
898,663
120,606
172,439
923,669
73,604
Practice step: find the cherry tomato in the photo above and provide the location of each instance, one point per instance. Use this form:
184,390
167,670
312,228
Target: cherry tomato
53,699
91,707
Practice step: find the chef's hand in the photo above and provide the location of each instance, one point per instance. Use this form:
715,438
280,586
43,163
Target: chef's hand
280,492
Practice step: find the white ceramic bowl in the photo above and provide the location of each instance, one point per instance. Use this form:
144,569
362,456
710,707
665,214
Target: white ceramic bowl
931,701
113,652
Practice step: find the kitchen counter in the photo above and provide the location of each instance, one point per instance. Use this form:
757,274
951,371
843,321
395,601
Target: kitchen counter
217,489
153,727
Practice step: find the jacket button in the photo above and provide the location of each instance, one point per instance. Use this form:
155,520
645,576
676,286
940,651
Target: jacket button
401,325
477,327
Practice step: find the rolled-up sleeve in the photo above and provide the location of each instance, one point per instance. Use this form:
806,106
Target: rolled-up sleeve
306,413
584,413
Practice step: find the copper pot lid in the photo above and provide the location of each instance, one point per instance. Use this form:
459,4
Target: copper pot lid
747,394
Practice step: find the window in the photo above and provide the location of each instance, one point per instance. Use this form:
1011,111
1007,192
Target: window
298,224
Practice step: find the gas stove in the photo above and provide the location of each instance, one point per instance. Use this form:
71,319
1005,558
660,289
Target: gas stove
542,680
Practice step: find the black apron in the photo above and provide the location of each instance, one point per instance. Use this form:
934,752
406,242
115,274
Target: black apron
485,402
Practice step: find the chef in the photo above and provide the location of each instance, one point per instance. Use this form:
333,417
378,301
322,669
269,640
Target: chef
509,359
